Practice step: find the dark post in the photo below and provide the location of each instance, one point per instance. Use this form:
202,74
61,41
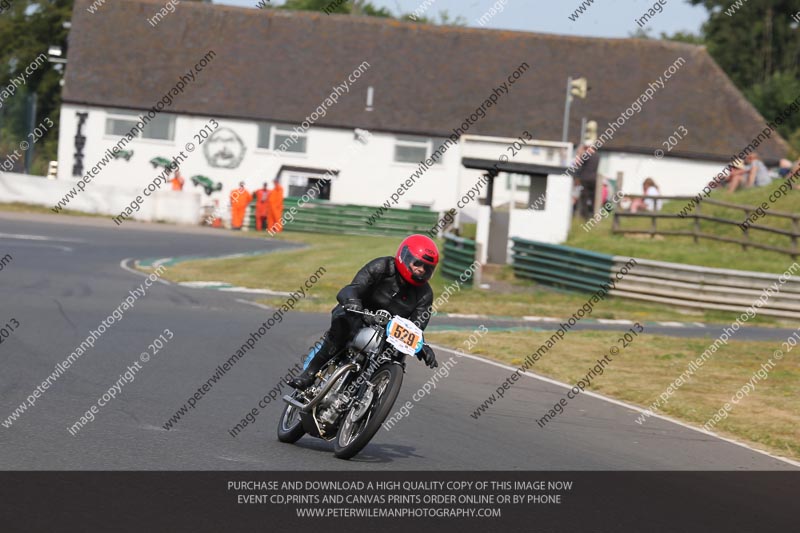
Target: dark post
653,225
696,224
31,127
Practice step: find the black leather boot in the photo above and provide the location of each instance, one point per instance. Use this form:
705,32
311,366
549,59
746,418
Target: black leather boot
307,376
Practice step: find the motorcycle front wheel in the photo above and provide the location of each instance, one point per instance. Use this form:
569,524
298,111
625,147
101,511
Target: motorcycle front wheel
290,427
353,435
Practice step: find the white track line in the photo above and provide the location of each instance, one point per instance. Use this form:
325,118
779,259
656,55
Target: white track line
539,319
255,304
265,292
124,266
23,237
623,404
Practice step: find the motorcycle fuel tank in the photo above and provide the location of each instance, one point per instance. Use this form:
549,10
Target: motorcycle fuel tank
367,340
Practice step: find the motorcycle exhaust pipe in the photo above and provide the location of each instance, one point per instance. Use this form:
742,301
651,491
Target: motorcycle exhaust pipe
306,407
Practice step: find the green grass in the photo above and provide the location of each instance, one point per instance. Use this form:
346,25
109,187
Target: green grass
706,252
19,207
769,416
343,255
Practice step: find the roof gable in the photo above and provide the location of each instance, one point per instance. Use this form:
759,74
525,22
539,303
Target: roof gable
278,65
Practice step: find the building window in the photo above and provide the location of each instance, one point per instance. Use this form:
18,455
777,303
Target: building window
522,182
120,123
409,149
281,138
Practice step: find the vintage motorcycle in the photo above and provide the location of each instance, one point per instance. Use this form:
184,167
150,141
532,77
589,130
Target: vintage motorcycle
354,392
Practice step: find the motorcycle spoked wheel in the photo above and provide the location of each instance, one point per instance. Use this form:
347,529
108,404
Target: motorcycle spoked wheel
290,427
354,435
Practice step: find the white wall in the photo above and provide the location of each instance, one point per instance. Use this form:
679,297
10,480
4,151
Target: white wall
368,175
674,176
550,224
177,207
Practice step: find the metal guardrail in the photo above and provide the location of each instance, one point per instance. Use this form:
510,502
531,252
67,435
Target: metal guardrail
697,216
561,266
709,288
321,216
459,254
688,286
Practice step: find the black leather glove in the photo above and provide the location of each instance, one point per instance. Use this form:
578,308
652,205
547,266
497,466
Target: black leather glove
428,356
353,305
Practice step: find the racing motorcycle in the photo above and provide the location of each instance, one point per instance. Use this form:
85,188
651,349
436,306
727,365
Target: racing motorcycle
354,392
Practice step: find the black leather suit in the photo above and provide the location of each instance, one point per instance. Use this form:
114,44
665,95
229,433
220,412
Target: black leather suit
378,286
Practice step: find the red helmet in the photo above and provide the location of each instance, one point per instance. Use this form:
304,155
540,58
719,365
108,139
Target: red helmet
416,251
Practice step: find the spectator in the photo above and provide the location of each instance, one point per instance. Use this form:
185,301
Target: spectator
784,168
755,174
177,180
650,189
577,188
738,174
587,173
275,209
795,172
240,199
262,207
758,174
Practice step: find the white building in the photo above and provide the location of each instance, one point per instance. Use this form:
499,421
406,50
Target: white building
264,75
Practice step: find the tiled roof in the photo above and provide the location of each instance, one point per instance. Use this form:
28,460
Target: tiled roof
278,65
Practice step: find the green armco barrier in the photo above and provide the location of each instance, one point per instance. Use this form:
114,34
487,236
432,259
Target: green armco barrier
459,254
561,266
321,216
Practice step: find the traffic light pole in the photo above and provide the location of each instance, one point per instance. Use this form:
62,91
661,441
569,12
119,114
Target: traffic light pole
567,104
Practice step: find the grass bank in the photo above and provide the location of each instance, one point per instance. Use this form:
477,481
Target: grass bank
343,255
706,252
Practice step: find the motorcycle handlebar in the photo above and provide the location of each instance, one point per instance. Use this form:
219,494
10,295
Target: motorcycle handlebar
382,317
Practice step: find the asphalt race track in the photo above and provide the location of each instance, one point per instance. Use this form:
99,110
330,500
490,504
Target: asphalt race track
65,278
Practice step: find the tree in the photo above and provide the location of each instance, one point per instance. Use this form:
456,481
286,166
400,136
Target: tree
366,8
753,41
757,44
772,96
27,30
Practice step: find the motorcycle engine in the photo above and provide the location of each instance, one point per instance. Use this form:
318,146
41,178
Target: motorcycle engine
332,404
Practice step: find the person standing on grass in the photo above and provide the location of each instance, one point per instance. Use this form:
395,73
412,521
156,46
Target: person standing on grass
275,208
240,199
262,207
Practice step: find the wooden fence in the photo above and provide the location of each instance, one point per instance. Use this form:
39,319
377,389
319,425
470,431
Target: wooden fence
696,216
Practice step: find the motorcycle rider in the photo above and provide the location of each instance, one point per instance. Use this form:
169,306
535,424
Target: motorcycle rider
397,284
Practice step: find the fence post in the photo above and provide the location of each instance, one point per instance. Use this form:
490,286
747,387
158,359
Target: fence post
795,231
696,231
746,230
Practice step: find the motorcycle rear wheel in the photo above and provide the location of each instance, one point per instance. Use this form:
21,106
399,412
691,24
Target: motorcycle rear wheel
353,436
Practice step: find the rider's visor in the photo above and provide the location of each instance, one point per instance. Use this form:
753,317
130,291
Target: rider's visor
421,269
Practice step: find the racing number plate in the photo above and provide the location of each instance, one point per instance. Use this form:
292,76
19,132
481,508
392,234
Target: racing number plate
404,335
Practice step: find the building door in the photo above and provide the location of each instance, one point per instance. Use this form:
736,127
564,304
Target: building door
498,237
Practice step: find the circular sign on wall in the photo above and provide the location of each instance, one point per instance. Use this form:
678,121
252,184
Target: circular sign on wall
224,149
